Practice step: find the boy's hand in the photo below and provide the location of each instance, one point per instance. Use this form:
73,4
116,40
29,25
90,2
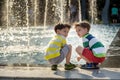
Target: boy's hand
78,58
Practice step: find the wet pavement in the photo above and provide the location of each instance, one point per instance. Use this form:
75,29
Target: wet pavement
38,73
113,53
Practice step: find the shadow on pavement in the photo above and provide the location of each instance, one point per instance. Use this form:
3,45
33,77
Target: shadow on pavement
75,74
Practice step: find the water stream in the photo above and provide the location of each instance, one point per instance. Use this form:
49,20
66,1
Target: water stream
14,48
24,43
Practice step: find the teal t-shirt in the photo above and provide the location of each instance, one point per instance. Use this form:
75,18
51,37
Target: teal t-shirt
114,11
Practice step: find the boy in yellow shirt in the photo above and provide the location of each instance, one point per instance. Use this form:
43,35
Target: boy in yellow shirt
57,48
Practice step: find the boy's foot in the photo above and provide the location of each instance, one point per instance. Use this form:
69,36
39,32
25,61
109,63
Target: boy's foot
69,66
54,67
90,66
73,65
95,64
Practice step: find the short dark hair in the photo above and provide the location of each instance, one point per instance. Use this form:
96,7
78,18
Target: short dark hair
61,26
83,24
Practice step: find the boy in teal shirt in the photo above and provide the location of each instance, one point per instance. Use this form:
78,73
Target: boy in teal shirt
114,13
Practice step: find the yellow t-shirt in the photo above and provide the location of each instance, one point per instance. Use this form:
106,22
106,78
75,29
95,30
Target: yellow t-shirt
54,47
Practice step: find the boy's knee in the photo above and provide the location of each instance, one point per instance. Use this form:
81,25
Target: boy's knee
79,49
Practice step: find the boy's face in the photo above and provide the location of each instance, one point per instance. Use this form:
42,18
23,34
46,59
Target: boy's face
63,32
81,31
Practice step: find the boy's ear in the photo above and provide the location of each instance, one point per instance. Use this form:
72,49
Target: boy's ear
86,29
57,31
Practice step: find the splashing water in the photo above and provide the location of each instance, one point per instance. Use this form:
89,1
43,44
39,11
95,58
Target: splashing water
14,42
22,43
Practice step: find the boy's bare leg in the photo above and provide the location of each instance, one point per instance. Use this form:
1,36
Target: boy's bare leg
69,55
79,50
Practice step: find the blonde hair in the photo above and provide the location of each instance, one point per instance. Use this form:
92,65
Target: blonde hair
83,24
